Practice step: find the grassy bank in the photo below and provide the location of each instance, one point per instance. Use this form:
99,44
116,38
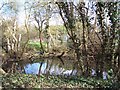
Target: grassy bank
36,45
33,81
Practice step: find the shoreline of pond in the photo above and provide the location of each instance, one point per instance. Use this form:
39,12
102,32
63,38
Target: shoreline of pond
34,56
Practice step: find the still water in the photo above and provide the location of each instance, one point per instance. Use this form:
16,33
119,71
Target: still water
57,67
52,67
54,70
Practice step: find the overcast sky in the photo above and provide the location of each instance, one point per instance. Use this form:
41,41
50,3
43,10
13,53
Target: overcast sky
55,20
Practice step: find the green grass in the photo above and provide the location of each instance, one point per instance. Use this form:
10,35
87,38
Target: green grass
36,45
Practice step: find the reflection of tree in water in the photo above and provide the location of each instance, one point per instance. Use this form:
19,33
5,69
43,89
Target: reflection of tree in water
54,66
51,67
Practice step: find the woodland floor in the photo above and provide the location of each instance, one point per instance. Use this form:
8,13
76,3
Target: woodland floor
17,80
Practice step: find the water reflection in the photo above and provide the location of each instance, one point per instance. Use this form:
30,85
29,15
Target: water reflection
46,68
51,67
104,74
32,68
93,72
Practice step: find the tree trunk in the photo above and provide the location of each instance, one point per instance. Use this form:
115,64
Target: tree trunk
40,37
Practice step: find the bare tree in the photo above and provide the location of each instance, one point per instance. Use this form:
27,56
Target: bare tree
41,13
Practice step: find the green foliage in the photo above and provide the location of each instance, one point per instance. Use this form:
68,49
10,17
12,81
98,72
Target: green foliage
33,81
59,28
35,45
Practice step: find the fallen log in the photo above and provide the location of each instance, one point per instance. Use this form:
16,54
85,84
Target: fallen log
2,71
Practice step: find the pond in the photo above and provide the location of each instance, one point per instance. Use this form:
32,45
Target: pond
51,66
